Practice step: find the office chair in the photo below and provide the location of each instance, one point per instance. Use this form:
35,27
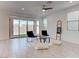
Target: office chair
31,35
45,35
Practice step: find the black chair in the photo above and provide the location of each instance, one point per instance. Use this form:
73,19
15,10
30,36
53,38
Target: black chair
30,34
45,35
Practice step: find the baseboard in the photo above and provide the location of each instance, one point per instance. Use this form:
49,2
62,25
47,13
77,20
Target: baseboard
70,42
3,39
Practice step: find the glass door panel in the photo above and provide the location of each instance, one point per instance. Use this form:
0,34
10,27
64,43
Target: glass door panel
20,27
15,28
23,28
30,25
37,28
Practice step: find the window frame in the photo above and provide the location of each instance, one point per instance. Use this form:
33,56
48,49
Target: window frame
72,20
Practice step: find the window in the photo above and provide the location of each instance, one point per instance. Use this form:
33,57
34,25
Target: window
73,21
30,25
37,29
16,27
23,28
45,23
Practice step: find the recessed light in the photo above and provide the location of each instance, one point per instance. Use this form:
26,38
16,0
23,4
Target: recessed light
22,8
70,1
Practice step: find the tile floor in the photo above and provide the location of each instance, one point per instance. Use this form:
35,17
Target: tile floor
20,48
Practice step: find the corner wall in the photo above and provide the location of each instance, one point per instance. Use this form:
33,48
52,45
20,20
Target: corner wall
70,36
4,26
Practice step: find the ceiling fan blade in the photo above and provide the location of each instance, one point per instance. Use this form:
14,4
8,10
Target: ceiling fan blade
47,8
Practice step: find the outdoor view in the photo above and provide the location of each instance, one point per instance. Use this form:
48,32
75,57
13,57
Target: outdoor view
20,27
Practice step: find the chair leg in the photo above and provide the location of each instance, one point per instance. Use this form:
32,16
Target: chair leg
29,39
40,40
44,40
36,38
49,40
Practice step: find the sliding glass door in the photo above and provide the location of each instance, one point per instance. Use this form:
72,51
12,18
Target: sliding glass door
30,25
15,28
20,27
37,27
23,26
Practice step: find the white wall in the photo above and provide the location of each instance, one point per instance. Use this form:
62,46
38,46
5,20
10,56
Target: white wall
70,36
4,26
4,23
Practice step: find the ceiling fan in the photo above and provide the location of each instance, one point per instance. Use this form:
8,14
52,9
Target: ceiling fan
44,8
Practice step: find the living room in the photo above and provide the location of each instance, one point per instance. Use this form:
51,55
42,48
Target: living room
23,25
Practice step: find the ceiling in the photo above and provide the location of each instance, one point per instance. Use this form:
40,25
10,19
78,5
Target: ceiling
34,8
